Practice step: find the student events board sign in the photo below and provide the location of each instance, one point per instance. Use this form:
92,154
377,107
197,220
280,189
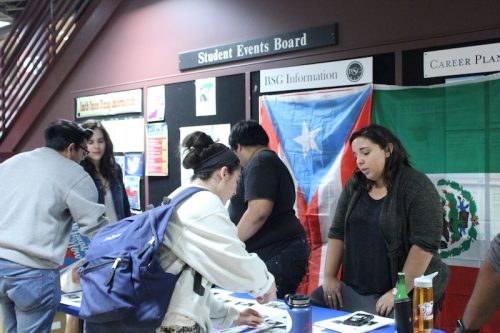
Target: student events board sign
282,43
327,74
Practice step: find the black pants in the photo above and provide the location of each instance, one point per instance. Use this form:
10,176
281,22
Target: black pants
289,265
352,300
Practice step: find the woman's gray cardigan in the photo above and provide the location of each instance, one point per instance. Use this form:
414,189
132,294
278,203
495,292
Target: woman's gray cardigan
412,213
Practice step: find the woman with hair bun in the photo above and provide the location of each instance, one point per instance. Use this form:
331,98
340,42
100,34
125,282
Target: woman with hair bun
202,239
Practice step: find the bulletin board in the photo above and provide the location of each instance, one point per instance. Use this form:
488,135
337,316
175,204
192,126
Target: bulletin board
180,111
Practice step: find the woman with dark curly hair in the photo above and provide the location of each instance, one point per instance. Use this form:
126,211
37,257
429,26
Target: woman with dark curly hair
388,220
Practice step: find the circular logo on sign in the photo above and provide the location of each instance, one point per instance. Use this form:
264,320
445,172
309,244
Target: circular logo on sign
354,71
459,218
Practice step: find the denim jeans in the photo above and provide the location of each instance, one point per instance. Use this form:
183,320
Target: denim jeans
289,266
29,297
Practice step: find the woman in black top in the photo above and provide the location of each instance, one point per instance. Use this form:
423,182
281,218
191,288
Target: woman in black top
388,220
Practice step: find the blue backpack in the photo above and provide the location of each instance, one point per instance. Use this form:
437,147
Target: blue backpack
122,279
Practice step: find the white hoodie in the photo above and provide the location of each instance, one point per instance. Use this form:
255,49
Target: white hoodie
201,235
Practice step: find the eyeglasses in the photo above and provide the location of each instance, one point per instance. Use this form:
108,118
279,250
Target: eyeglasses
85,151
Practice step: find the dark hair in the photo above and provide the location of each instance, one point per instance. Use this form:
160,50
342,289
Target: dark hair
107,165
247,133
384,138
61,133
200,147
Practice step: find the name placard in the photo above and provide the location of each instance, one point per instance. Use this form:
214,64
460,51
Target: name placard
462,60
282,43
326,74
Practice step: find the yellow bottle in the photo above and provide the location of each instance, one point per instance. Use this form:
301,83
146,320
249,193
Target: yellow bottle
423,304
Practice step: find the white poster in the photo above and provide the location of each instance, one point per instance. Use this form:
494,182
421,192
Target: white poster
205,97
127,135
218,133
156,103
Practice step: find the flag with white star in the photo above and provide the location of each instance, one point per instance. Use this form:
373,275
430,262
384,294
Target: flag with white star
310,132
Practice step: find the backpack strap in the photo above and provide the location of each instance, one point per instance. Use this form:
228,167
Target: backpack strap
187,192
161,226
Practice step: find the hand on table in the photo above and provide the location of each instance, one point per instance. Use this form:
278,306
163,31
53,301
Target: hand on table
249,317
332,294
385,304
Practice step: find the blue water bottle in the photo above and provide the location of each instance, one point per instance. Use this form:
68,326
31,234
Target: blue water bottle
300,311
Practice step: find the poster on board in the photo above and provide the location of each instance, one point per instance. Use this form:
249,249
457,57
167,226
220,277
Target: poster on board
126,134
155,110
156,149
134,164
205,97
133,190
111,104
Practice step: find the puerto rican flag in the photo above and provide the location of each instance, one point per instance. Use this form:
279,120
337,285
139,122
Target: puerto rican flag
310,132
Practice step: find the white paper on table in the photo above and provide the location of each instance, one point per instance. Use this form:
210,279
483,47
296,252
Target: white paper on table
336,323
72,299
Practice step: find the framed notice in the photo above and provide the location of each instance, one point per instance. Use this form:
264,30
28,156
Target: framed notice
156,149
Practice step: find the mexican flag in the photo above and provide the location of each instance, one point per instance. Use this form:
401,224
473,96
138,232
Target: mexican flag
452,133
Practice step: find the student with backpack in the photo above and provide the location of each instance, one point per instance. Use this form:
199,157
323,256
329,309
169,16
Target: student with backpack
202,236
200,246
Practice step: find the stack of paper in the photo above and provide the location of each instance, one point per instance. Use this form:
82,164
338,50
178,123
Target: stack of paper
337,323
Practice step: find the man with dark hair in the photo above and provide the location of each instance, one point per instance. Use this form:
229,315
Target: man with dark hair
263,208
43,192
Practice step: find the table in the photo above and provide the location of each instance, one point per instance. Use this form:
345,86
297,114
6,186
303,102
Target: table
318,314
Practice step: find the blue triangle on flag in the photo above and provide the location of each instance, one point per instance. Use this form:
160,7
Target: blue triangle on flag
312,134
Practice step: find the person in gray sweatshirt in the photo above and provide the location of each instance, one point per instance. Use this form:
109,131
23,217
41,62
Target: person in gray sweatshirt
43,192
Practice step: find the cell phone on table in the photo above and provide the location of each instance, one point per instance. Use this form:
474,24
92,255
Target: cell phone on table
358,319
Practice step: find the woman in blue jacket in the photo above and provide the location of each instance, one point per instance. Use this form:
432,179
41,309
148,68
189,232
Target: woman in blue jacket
106,173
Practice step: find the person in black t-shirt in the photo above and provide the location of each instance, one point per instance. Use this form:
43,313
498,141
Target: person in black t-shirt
263,209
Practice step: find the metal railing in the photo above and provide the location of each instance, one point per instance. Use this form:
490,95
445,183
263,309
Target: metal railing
38,36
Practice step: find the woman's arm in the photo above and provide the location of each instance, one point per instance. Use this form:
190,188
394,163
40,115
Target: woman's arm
211,247
331,285
255,216
415,265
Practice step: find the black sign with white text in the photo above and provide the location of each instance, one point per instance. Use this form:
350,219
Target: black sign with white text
282,43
